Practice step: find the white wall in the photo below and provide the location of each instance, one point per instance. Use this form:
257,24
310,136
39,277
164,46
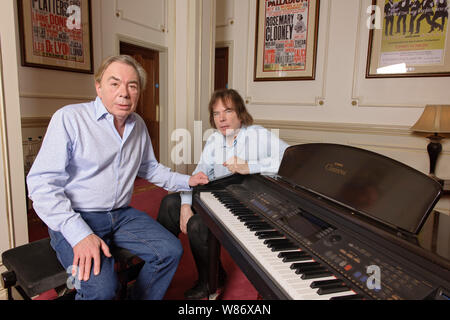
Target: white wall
32,95
13,217
172,27
374,114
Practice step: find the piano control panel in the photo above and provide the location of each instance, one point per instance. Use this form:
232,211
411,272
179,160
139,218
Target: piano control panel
361,265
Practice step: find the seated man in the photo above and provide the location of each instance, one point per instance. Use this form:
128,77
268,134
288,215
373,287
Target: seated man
82,180
237,147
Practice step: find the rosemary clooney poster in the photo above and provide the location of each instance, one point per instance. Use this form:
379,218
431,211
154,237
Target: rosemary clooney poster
286,39
56,34
411,39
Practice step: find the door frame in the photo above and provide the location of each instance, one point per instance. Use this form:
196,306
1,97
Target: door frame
164,152
230,46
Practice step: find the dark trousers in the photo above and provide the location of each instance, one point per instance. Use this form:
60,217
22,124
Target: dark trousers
197,232
424,16
389,21
133,230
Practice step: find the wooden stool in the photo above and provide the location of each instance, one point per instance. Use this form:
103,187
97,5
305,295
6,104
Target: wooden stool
33,268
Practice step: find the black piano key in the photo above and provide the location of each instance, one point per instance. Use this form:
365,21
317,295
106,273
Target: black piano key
311,269
333,288
268,234
234,206
277,244
260,228
277,240
324,283
226,197
349,297
242,211
293,256
228,201
256,224
240,214
250,218
304,264
316,274
243,215
284,247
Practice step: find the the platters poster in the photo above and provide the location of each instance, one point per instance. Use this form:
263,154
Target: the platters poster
56,34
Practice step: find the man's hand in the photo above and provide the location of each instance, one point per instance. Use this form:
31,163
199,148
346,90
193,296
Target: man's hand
198,178
86,250
237,165
185,214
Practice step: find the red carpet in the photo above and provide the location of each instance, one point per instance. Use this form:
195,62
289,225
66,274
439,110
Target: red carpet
147,198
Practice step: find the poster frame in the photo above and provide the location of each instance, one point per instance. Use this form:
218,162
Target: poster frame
375,51
28,59
312,27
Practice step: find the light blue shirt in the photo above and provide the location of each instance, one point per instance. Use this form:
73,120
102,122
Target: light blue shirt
261,148
85,165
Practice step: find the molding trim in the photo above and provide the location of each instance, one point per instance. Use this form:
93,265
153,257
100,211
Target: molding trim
336,127
318,100
35,122
300,132
119,37
161,28
31,95
359,72
229,21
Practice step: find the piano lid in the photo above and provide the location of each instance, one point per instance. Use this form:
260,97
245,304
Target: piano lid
366,182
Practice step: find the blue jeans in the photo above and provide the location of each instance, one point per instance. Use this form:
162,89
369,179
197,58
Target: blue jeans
135,231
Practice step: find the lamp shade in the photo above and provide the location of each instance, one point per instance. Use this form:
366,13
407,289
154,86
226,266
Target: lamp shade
434,119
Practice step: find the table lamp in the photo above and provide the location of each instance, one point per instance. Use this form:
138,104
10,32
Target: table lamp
435,119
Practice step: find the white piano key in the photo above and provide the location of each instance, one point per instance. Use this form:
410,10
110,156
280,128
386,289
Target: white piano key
279,271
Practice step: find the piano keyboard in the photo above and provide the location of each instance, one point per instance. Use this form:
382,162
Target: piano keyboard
292,269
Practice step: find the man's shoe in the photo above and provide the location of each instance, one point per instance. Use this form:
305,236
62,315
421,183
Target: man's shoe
198,292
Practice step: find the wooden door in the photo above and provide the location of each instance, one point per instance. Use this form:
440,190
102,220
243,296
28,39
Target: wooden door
148,107
221,69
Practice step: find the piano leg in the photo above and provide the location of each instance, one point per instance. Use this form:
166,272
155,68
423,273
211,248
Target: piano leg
214,256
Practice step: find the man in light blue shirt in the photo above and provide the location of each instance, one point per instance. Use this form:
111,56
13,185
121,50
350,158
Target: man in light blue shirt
236,147
82,180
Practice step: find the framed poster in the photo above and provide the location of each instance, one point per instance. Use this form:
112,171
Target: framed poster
56,34
286,40
409,38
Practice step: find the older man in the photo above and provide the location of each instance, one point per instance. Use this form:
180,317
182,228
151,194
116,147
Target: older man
82,181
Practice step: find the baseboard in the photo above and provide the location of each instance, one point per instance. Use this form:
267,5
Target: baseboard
3,294
35,122
3,291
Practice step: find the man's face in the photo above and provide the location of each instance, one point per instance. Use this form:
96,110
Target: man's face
225,118
119,89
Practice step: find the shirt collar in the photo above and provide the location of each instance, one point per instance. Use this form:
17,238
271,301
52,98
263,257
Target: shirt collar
100,109
238,137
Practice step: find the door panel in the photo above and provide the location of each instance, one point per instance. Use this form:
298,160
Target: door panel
148,107
221,69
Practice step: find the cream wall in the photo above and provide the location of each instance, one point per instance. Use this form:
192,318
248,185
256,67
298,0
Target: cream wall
32,95
13,221
340,106
172,27
354,110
